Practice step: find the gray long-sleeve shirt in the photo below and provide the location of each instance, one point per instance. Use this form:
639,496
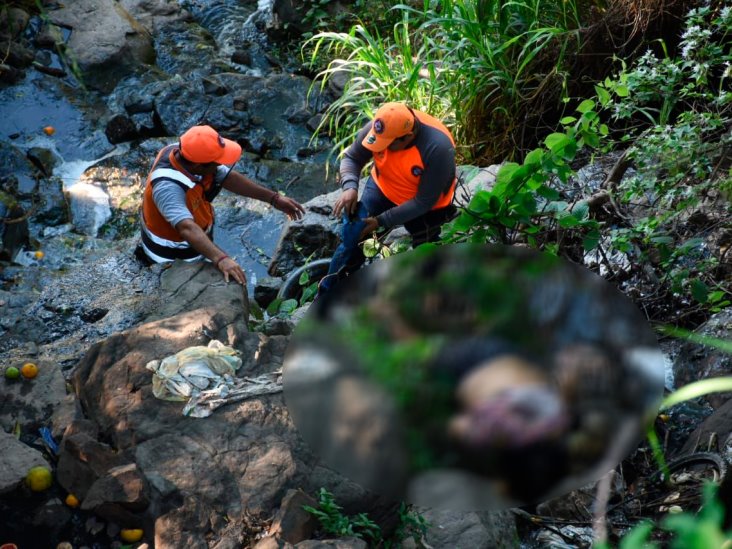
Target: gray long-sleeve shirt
438,158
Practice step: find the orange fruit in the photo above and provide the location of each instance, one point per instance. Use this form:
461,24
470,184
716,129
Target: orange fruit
72,501
131,535
29,370
39,254
39,478
49,130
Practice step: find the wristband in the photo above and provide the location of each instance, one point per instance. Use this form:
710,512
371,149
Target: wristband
220,259
274,199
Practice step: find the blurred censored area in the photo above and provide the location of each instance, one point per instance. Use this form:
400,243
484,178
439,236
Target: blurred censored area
473,376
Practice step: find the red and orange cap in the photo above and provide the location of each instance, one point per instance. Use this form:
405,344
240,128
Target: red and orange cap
203,144
391,121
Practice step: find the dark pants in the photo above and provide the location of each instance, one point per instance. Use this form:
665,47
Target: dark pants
349,256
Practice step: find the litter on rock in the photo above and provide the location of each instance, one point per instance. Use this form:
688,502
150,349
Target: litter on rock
206,378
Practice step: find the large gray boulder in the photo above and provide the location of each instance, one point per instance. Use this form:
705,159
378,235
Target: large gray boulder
106,41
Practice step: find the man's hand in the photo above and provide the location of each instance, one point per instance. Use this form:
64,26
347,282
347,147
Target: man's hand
292,208
371,225
348,201
231,268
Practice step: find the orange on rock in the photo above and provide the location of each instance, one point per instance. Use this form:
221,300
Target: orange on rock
49,130
39,254
131,535
72,501
29,370
39,478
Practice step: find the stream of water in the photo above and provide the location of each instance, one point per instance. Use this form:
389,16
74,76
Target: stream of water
59,116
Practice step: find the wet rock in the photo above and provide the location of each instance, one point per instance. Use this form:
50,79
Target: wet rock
181,105
43,159
10,75
315,236
53,517
718,424
49,37
284,18
136,105
13,227
16,459
89,206
13,22
16,54
120,128
313,123
242,57
298,114
18,174
93,315
53,209
696,361
339,79
211,86
106,41
266,290
292,523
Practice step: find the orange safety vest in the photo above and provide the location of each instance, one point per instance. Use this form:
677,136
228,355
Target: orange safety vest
161,235
395,174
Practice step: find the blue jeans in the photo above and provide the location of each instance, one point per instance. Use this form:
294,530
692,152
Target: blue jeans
349,257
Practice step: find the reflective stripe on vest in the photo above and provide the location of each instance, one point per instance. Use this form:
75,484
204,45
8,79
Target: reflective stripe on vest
170,173
161,241
161,250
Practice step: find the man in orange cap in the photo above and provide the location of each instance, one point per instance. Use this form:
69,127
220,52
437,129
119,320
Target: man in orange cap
177,215
412,181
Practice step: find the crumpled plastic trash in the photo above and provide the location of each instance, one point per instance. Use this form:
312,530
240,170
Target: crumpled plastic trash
192,370
206,378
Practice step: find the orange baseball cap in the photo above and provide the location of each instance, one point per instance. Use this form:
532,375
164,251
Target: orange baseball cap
391,121
203,144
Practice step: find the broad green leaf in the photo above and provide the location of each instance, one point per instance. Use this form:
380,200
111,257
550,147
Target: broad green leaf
288,306
547,192
581,210
567,120
621,91
586,105
568,221
591,240
699,290
506,172
602,95
370,247
534,157
304,278
556,141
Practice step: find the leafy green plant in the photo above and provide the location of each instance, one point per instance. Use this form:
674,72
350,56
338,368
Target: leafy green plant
333,521
526,201
676,113
482,67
